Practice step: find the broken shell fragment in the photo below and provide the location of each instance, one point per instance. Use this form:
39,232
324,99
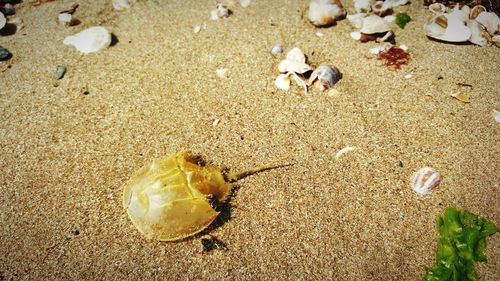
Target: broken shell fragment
362,6
220,12
296,55
245,3
325,12
295,62
325,77
495,40
379,8
437,8
374,24
93,39
424,180
120,5
446,28
282,82
476,10
479,35
356,20
65,19
489,20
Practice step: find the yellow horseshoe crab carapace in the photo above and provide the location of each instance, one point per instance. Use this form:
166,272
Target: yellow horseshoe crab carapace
169,199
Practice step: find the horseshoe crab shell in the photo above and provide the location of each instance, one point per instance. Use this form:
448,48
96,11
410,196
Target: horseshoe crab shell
325,12
168,199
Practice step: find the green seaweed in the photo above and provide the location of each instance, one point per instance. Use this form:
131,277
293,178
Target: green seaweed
402,19
461,242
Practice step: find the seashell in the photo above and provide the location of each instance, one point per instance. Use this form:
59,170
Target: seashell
496,115
489,20
479,35
4,54
448,29
295,62
356,35
437,8
3,20
93,39
495,40
197,28
363,6
374,24
395,3
65,19
283,82
325,12
390,18
276,50
120,5
344,151
356,20
169,199
245,3
220,12
377,50
59,72
424,180
461,14
325,77
222,72
476,10
379,8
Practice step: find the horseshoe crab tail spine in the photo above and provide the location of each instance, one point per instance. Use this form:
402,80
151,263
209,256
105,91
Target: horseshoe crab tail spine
233,177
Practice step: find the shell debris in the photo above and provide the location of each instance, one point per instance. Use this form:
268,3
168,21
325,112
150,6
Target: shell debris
465,98
325,12
425,180
344,151
90,40
222,72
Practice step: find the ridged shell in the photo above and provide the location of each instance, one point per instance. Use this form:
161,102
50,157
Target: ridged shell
167,199
424,180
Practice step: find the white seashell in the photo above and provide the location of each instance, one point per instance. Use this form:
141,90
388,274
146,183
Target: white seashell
404,47
390,18
197,28
120,5
320,34
476,10
447,29
222,72
220,12
489,20
283,82
495,40
3,20
379,8
356,20
325,12
363,6
377,50
424,180
395,3
325,77
93,39
479,35
276,50
408,76
296,55
356,35
343,151
245,3
437,8
461,14
65,18
293,66
374,24
496,115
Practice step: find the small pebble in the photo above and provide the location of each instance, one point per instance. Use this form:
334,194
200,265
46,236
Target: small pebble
222,72
276,50
319,34
59,72
8,9
496,115
4,54
408,76
120,5
197,28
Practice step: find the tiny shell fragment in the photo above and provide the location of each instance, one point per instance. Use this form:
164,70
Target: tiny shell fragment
343,151
496,115
120,5
276,50
90,40
245,3
197,28
222,72
424,180
465,98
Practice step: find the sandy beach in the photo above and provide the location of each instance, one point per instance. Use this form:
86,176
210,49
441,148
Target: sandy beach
68,146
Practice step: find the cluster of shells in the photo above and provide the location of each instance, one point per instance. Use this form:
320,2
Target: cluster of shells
462,24
373,19
294,66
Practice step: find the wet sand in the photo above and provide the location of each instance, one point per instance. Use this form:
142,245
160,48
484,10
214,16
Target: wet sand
66,155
